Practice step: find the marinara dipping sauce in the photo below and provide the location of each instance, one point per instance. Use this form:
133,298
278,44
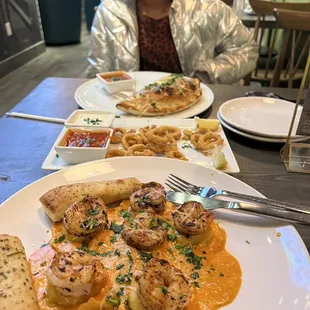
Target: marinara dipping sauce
84,138
115,77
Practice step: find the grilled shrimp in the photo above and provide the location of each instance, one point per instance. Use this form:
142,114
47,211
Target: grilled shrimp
148,196
86,217
143,231
74,277
192,219
163,286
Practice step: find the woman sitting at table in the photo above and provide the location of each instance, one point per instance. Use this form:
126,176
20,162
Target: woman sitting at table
202,38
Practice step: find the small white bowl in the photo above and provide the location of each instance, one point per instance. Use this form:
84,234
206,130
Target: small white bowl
113,87
77,155
90,118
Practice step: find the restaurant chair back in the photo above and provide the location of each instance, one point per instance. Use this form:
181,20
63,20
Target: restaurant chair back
229,2
267,39
296,25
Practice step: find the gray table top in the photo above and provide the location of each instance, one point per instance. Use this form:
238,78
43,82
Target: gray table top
26,143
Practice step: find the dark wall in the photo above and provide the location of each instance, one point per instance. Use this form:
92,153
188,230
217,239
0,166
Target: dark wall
23,18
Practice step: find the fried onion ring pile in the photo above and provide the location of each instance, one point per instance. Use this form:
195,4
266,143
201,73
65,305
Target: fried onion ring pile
117,135
140,150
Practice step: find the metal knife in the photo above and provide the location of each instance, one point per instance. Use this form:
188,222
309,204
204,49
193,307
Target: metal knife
258,210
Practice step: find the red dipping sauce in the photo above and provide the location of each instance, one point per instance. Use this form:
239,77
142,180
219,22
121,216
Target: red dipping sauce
84,138
115,77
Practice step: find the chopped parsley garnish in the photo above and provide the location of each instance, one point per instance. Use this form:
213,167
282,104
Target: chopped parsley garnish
43,264
87,250
165,224
221,274
152,222
196,284
120,292
148,87
57,155
153,104
112,301
117,116
117,252
92,121
44,245
145,256
127,215
60,239
191,257
113,238
100,243
170,252
164,289
171,233
90,223
119,266
128,253
93,212
126,279
195,275
115,79
181,296
171,236
186,146
107,253
177,75
116,228
248,242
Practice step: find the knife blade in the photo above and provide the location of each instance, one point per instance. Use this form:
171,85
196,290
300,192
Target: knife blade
258,210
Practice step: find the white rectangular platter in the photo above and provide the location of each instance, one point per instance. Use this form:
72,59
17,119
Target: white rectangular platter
54,162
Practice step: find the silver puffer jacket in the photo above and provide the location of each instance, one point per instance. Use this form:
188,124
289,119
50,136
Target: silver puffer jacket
209,39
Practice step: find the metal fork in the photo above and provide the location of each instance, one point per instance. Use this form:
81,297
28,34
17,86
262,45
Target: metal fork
180,185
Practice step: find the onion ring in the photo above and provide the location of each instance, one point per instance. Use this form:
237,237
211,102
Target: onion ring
155,148
130,139
194,139
157,135
117,135
187,132
209,141
140,150
142,133
116,153
176,155
175,132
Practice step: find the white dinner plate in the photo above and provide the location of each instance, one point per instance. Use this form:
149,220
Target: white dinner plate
258,138
91,96
260,116
274,260
54,162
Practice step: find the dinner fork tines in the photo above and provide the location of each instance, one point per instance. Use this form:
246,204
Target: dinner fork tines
178,184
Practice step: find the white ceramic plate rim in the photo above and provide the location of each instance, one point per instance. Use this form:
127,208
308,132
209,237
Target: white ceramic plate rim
254,137
265,261
238,126
203,105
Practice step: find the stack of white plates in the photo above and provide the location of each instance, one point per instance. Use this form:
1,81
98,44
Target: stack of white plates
260,118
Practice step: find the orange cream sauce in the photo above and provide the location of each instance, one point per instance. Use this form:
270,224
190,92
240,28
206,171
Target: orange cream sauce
219,278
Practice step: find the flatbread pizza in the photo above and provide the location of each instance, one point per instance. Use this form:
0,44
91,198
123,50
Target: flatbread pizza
169,95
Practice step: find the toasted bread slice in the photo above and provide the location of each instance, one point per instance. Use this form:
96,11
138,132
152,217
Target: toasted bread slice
57,200
16,287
